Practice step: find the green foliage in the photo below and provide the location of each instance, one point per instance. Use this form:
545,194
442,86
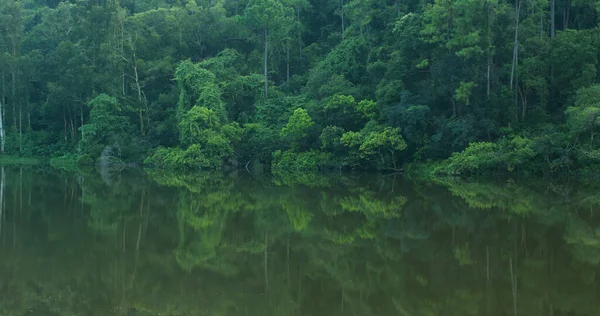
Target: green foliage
374,145
305,161
108,127
368,109
239,81
298,128
331,139
464,91
584,117
483,157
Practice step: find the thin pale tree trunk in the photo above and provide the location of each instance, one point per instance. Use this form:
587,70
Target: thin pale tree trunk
299,32
342,14
553,19
20,129
266,60
567,14
516,43
2,132
288,62
489,51
2,197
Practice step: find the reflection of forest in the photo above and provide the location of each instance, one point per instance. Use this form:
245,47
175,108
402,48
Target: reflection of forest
213,244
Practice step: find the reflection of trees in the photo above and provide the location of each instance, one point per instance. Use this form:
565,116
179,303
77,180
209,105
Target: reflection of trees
179,244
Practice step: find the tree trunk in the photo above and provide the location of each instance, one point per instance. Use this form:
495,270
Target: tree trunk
489,50
288,62
20,129
516,43
14,97
14,78
72,126
2,178
266,60
3,97
299,32
2,132
81,117
138,87
553,19
342,14
542,24
65,124
489,70
524,104
28,109
567,14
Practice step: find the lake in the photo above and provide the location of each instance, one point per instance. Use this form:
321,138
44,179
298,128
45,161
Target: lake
155,243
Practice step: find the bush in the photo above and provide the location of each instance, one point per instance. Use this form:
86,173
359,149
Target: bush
480,157
305,161
191,158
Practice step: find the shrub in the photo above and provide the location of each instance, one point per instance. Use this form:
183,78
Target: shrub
306,161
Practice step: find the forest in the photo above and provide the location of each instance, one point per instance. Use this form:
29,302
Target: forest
449,86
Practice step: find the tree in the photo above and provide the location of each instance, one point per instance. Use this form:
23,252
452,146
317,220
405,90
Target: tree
298,128
108,128
584,116
272,19
375,144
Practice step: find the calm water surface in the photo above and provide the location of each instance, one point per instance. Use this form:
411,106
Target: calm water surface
211,244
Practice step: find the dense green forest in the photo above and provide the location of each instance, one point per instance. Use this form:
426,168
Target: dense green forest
460,86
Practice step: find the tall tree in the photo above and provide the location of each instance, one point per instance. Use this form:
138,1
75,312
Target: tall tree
273,20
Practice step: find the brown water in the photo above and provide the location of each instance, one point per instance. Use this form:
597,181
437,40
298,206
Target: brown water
212,244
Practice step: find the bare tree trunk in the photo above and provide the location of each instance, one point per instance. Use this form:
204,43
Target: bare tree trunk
3,98
489,51
123,55
266,60
28,108
138,87
542,24
20,129
2,177
72,126
14,98
489,70
288,62
21,190
299,32
141,110
81,117
2,132
516,43
524,104
142,102
342,14
567,14
553,19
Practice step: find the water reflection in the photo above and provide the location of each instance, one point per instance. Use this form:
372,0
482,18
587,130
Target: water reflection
214,244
